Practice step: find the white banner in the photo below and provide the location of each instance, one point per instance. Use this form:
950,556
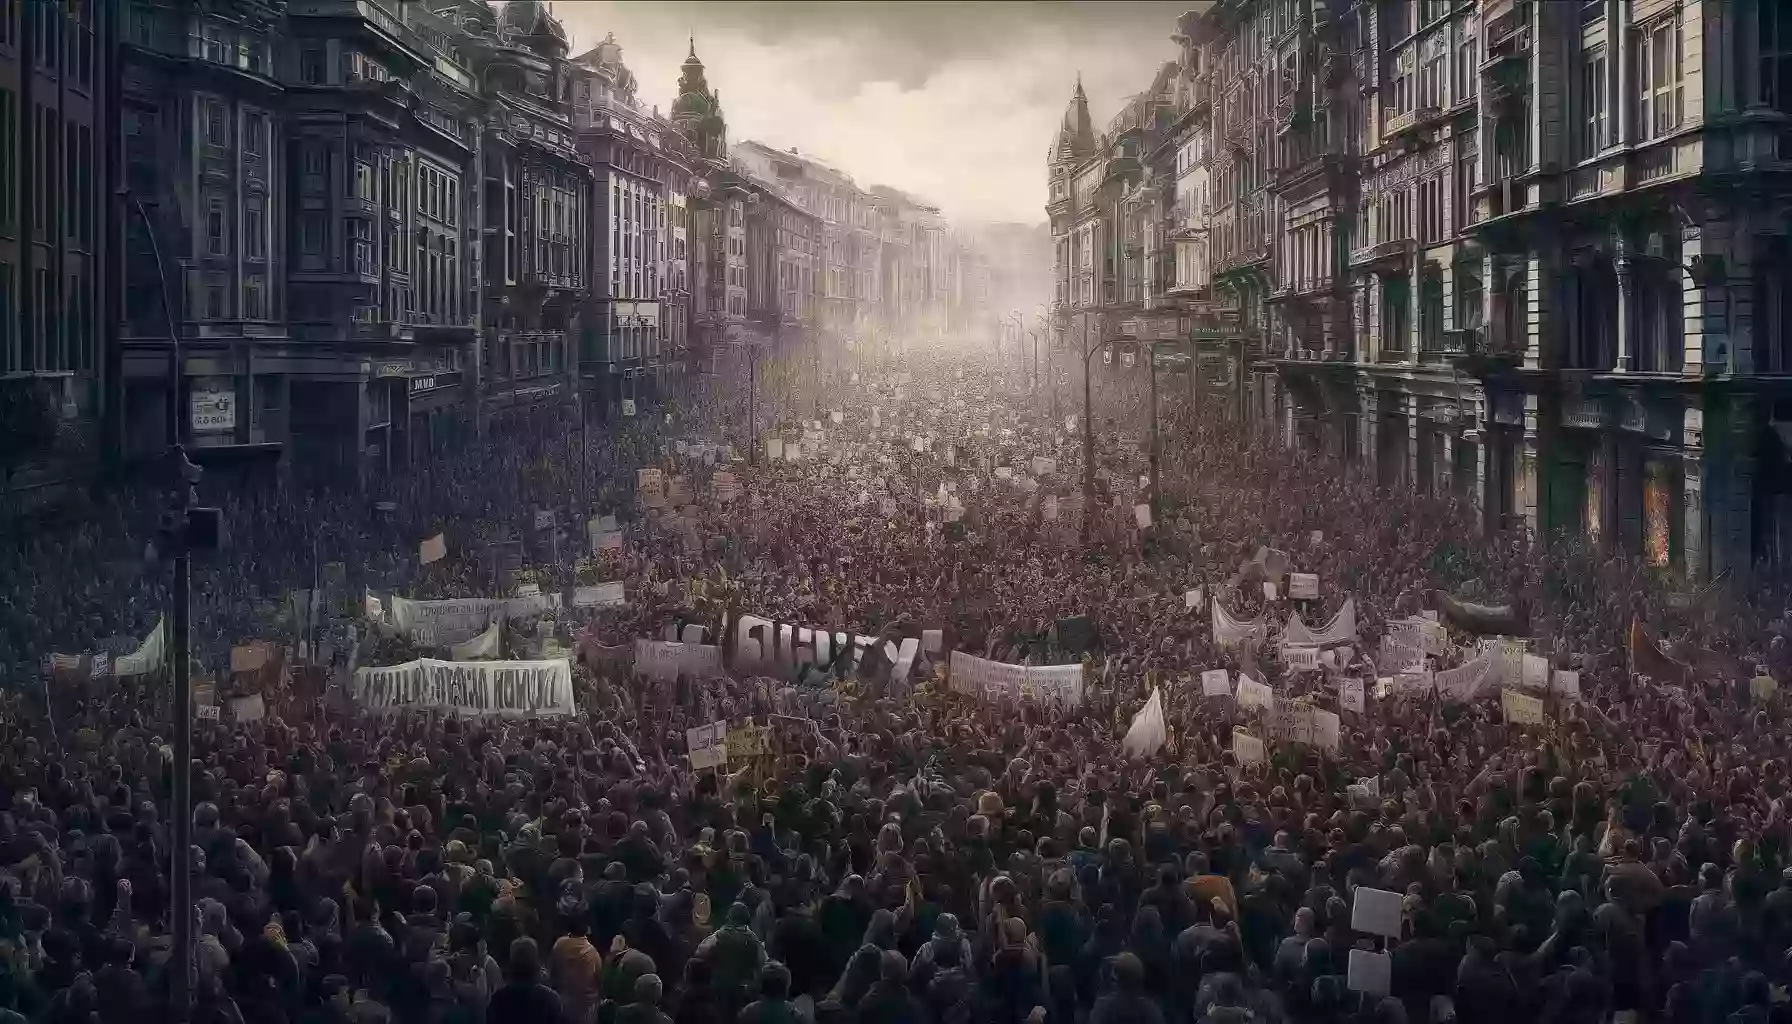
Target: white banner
1230,632
601,595
472,688
1341,629
995,680
483,647
657,659
446,623
1294,722
148,657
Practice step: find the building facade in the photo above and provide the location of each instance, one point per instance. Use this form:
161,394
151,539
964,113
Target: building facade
55,189
1524,253
303,189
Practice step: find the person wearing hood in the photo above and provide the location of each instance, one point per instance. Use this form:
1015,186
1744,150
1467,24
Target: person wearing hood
524,999
735,957
1127,1003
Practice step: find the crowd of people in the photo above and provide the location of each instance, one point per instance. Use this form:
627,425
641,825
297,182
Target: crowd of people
905,853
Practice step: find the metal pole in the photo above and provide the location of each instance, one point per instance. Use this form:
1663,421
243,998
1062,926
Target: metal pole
752,405
1088,446
1151,354
180,869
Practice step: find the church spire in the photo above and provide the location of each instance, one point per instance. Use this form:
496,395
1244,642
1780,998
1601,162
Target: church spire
1076,135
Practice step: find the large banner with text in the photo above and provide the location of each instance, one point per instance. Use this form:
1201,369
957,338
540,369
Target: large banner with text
468,688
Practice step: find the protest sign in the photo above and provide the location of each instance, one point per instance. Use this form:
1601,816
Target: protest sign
1216,682
1193,599
1761,688
432,550
651,485
1248,749
1269,591
1303,586
1521,708
610,541
747,741
544,519
248,708
727,488
658,659
699,736
997,681
1412,684
1351,696
1252,694
628,407
1043,466
837,416
786,651
1376,912
602,595
1536,672
708,757
1296,722
1048,509
450,622
1141,514
1567,685
472,688
1369,972
1301,659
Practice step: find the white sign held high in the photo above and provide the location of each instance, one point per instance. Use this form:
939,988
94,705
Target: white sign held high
1216,682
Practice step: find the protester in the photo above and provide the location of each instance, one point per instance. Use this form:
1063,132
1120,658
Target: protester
903,852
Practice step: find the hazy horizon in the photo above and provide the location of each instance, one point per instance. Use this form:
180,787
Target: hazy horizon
954,103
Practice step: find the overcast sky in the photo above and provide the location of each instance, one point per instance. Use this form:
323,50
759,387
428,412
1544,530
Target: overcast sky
954,102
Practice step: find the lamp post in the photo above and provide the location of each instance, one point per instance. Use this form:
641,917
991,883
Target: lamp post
1089,436
177,537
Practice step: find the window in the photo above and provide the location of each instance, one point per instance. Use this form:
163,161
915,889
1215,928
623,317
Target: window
214,228
1658,51
1431,209
255,242
1432,81
254,298
1594,121
1468,169
311,234
1773,40
212,45
311,65
9,158
255,130
1468,72
212,117
360,246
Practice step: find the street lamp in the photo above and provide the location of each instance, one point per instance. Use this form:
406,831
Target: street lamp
185,528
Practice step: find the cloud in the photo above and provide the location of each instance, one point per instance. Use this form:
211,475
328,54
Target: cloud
956,103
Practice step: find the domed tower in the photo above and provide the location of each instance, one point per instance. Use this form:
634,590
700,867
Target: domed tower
698,109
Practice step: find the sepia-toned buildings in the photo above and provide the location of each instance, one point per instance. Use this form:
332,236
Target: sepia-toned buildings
1529,254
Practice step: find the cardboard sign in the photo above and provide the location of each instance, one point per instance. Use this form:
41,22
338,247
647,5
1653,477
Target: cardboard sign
1252,694
1192,600
699,736
1370,973
1376,911
628,407
1141,514
708,757
432,550
747,742
1351,696
1248,749
1521,708
1216,682
1536,672
1301,659
1303,586
1566,684
1269,591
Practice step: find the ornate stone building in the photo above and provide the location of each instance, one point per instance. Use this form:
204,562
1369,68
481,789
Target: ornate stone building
1529,253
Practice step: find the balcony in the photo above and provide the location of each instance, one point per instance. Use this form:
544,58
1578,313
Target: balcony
1239,134
1447,346
1391,255
1499,198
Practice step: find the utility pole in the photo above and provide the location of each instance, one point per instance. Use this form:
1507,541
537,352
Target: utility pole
185,527
752,404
